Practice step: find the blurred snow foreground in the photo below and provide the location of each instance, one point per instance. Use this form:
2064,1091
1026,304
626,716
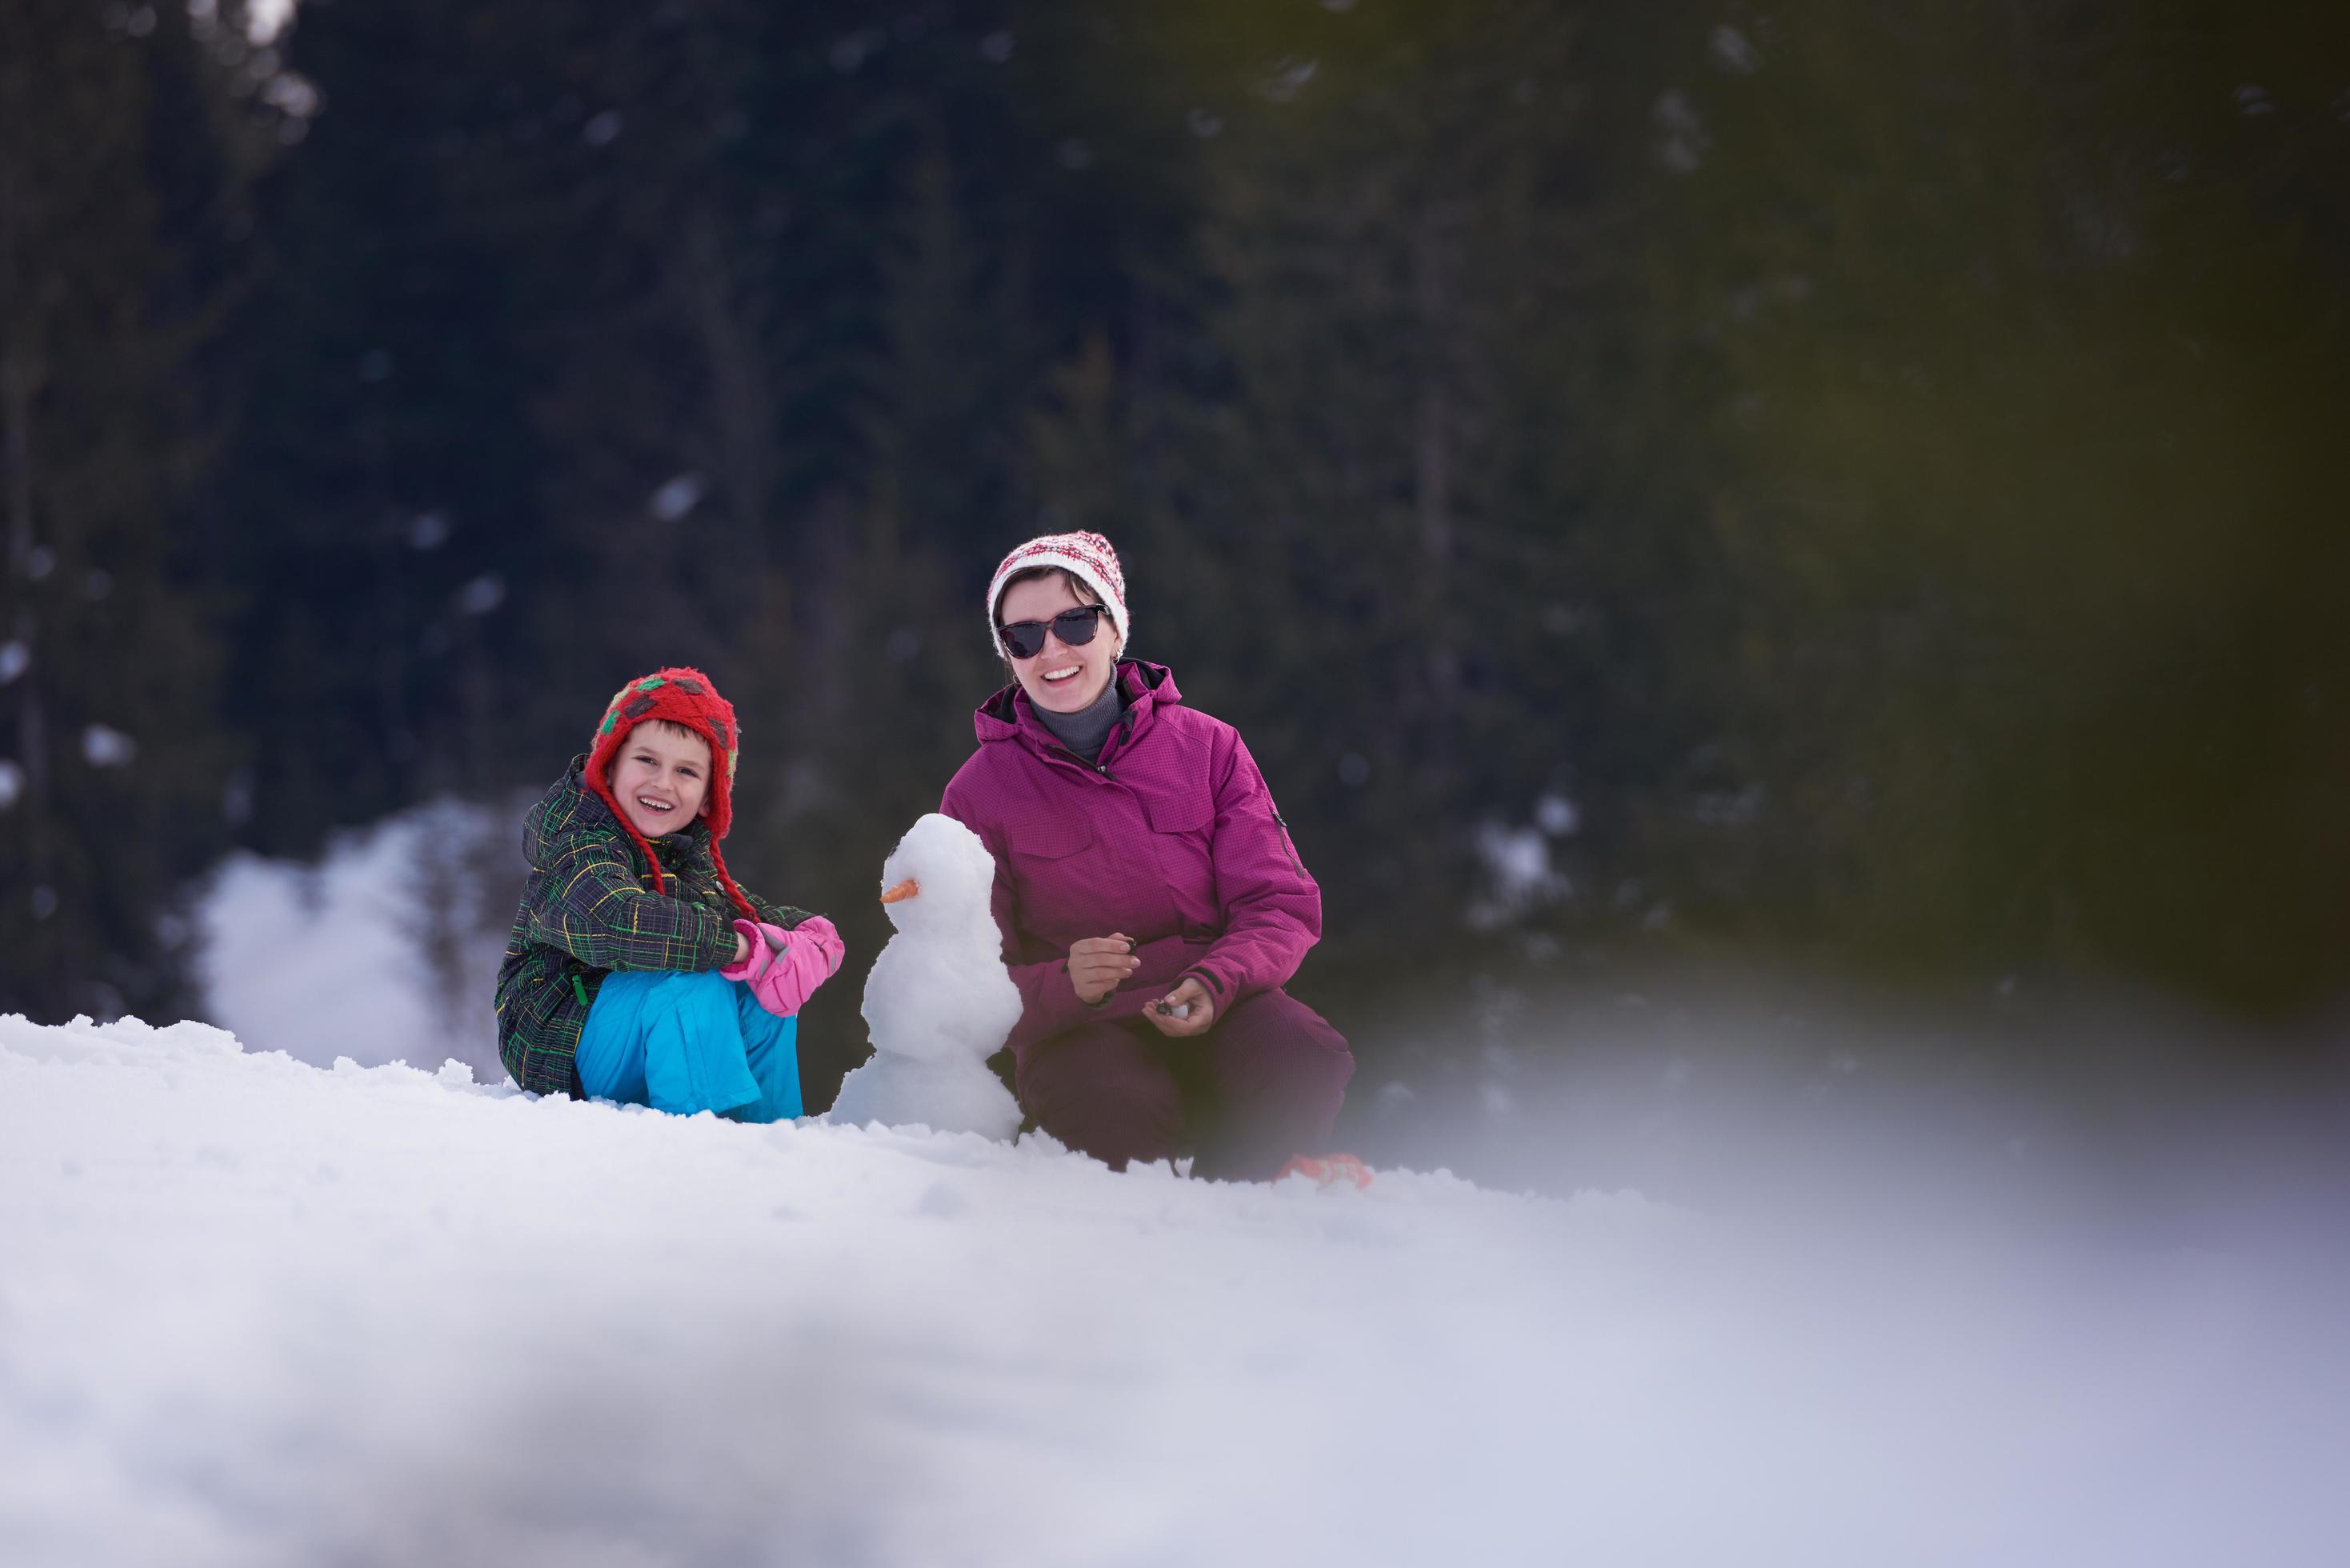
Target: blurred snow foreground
254,1312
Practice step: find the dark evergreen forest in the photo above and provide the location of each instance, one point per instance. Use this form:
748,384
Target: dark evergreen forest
1857,483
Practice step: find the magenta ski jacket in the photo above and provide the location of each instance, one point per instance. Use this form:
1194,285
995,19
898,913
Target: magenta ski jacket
1171,838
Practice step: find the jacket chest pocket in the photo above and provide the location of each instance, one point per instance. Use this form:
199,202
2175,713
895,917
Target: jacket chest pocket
1182,831
1179,811
1056,876
1048,838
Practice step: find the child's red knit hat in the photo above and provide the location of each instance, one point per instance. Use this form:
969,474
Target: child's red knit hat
687,698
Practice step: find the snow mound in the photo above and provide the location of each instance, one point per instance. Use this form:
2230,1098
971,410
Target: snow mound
392,938
254,1312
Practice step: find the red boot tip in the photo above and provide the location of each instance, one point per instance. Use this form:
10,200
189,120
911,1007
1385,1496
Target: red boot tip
1327,1169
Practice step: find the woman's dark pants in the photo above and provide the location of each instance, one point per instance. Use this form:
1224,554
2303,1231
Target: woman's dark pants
1262,1083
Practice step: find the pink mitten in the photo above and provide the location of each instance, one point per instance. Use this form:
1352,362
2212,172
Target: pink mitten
784,968
756,953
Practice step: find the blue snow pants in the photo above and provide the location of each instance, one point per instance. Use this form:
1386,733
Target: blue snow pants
690,1042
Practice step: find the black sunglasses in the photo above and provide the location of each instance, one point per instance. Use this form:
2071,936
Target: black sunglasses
1025,638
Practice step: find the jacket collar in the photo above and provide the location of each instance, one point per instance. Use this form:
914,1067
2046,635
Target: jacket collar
1009,716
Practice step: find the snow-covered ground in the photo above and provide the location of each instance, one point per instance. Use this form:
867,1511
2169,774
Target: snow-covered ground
257,1312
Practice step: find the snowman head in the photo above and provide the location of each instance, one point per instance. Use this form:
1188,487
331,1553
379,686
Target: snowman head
936,882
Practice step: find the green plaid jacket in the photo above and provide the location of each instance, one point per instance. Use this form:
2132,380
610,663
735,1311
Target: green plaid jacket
587,910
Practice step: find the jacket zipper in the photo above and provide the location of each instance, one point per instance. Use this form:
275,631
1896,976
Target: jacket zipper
1101,768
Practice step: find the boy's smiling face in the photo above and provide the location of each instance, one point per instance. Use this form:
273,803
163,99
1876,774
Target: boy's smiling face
662,777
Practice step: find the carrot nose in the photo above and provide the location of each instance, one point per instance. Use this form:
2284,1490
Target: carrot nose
905,889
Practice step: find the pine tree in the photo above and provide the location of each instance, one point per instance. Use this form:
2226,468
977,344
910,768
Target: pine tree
1399,519
382,482
2031,330
120,171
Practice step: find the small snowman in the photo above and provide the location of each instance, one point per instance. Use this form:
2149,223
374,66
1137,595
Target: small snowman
937,1002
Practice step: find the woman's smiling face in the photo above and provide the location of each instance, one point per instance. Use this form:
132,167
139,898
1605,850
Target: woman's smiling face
1061,678
662,778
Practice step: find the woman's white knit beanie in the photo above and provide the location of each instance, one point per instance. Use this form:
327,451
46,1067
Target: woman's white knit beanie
1089,555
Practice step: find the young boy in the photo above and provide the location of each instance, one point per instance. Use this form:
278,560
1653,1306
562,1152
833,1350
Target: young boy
628,976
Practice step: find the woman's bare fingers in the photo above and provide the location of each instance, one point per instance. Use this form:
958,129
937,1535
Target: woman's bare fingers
1183,1012
1114,951
1097,965
1092,981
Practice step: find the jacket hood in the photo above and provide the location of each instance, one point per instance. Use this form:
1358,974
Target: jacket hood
1009,715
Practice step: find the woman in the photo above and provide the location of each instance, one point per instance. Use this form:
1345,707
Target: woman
1151,903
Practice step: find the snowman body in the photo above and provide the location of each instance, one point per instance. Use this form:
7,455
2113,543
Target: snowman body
937,1001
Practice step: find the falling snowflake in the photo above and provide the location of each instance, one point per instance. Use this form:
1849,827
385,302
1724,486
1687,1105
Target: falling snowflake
676,497
102,747
482,595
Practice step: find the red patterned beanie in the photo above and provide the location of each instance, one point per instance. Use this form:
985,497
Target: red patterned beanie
687,698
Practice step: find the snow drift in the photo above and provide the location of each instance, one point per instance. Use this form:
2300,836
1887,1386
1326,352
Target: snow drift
256,1312
391,935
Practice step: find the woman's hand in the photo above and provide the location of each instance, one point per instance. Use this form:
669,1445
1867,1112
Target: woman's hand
1098,964
1191,994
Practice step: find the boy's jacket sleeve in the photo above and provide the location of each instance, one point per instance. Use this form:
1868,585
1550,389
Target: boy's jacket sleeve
593,907
785,915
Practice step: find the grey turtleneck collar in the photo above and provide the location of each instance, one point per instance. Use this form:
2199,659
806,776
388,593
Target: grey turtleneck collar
1087,731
